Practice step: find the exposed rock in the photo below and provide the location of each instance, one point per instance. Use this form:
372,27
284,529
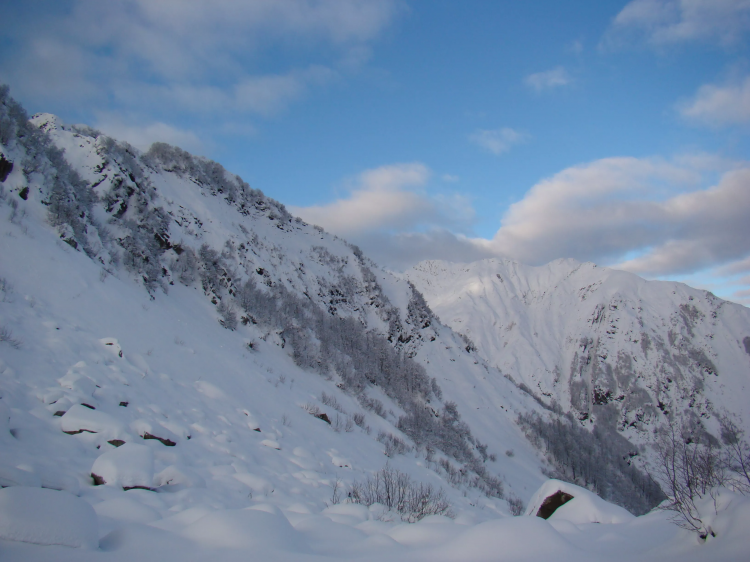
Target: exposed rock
6,167
552,502
164,440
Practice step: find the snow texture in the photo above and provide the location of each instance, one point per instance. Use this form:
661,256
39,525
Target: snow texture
47,517
127,466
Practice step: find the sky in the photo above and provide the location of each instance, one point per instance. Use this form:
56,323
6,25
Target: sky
616,132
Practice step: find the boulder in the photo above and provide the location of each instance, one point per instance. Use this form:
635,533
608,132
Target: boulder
81,418
128,466
558,500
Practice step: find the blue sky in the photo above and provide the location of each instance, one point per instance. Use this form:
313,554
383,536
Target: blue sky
609,131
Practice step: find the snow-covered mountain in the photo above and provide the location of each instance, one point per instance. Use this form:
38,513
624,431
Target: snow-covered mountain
212,376
606,345
176,301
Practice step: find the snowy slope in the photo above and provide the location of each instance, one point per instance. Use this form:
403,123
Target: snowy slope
122,358
597,340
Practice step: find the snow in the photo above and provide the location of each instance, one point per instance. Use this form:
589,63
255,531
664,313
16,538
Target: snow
585,507
127,466
47,517
163,365
81,418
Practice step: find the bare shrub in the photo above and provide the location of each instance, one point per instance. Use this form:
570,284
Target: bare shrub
311,409
372,404
736,455
397,492
342,423
689,470
330,400
336,492
6,335
393,445
359,419
515,504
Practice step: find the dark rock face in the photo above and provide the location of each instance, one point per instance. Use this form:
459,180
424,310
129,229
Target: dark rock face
551,503
6,167
324,417
164,440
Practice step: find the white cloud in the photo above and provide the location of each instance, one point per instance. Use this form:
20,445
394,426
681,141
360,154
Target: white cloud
548,79
719,105
610,208
387,202
668,22
498,141
185,55
382,198
651,216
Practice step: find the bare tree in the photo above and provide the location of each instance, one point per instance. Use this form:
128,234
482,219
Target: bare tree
688,471
736,455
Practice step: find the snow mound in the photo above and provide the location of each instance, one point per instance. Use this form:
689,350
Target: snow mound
47,517
12,476
126,509
562,501
129,466
244,528
80,418
179,475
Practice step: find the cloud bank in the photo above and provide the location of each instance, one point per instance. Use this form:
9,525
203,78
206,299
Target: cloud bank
719,106
652,216
661,23
179,58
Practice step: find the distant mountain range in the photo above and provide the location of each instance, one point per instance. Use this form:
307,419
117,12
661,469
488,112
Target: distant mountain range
605,345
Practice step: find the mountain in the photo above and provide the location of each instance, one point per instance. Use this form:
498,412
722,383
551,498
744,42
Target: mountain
608,346
227,314
188,371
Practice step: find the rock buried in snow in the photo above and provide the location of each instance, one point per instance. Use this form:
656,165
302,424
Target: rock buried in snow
112,345
128,466
179,476
558,500
47,517
80,418
148,430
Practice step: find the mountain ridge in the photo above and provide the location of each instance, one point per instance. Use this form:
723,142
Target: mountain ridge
588,336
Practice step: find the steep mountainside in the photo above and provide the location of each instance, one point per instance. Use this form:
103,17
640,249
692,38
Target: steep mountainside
606,345
156,299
